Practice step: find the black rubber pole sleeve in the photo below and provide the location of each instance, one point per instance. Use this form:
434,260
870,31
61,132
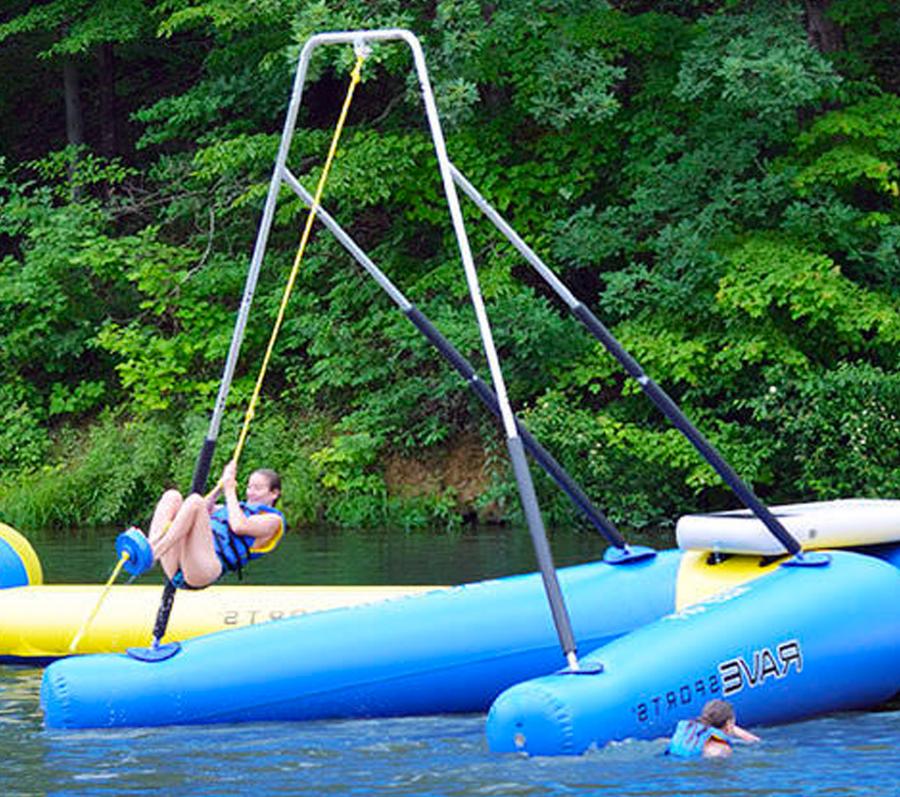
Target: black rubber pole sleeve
203,465
672,411
162,614
541,546
543,457
198,485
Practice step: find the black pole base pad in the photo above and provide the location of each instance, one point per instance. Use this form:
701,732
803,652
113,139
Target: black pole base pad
628,555
155,652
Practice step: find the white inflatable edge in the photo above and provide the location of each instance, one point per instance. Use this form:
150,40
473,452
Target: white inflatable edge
825,524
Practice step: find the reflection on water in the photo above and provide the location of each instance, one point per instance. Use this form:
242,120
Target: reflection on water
341,556
850,754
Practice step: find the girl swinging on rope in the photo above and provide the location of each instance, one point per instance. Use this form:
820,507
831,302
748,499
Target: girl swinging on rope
197,540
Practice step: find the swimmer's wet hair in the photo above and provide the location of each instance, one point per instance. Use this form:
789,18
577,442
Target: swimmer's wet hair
717,713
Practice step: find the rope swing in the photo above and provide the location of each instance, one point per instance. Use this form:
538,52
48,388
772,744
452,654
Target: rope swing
127,550
298,258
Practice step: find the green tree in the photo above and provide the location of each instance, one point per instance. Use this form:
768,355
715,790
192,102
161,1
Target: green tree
718,181
78,33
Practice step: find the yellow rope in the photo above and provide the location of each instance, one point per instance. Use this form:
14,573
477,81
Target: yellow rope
251,409
90,618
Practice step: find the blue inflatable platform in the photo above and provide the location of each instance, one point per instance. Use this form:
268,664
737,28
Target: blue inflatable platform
661,636
800,642
450,650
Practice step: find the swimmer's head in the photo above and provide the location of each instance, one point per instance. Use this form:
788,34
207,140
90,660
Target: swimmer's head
717,714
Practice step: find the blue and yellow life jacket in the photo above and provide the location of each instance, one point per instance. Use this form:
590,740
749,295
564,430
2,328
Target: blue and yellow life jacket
235,550
690,738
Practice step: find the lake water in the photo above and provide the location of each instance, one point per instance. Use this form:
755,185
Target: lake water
848,754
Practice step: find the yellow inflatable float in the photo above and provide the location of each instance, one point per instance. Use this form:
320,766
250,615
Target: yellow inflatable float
38,622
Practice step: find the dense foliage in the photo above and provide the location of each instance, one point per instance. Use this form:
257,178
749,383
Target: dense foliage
718,181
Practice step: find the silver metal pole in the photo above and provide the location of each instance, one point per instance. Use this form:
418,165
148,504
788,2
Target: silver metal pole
464,368
654,392
259,248
514,442
513,237
349,244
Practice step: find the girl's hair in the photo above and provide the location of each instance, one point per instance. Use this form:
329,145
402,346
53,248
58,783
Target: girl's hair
272,477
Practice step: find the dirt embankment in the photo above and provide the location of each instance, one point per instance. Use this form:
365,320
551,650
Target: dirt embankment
461,467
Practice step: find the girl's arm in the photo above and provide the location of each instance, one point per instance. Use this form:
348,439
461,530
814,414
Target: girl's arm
211,505
743,734
259,526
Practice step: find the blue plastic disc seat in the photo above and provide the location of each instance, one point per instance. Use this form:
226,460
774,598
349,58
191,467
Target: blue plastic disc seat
140,555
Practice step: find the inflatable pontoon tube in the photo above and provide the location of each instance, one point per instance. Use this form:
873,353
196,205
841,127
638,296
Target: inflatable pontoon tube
799,642
19,564
449,651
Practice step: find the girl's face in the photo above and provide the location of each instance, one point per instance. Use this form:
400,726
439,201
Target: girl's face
259,491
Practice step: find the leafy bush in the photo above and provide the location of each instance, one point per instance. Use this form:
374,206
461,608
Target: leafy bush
837,433
24,441
111,477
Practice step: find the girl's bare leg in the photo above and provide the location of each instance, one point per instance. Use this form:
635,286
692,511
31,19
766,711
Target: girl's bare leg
168,542
199,562
188,544
164,514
